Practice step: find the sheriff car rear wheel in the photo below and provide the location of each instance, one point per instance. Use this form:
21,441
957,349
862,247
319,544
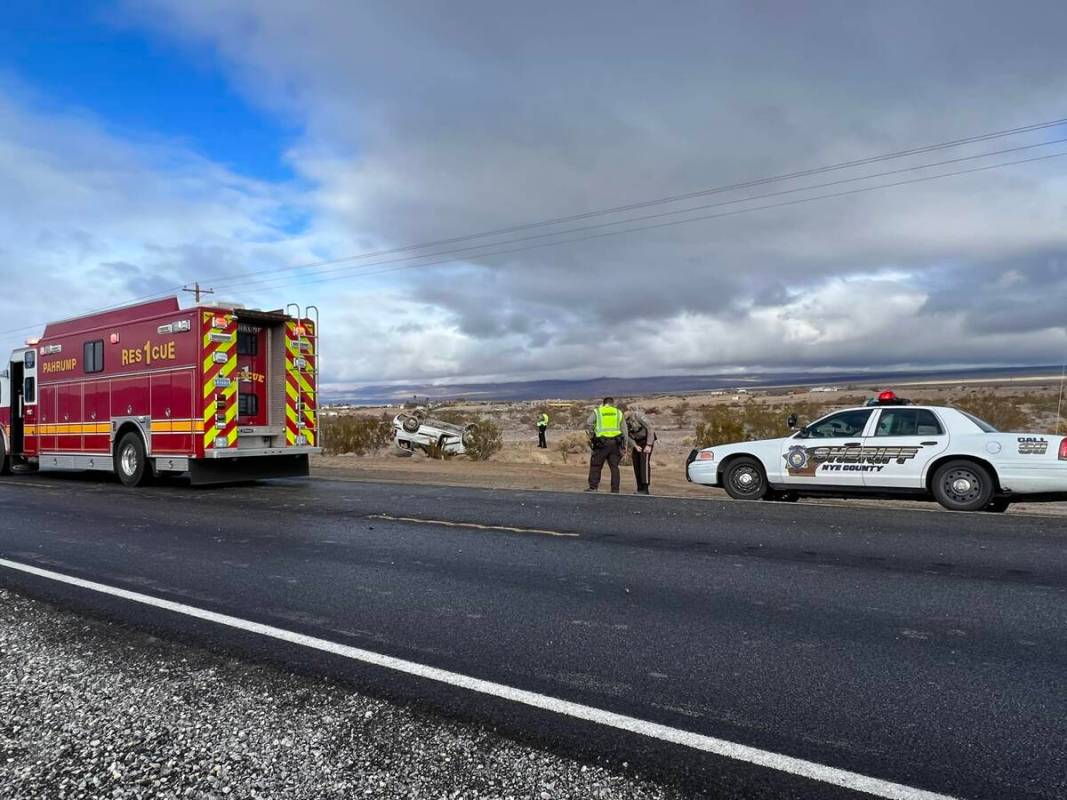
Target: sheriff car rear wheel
744,479
963,486
131,462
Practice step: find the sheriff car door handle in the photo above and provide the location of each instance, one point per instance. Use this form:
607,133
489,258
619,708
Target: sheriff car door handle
851,444
927,444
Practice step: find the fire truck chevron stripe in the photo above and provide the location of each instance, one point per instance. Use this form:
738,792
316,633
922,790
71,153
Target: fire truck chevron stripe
300,388
220,387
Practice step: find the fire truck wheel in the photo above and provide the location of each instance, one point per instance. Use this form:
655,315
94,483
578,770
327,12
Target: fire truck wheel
131,462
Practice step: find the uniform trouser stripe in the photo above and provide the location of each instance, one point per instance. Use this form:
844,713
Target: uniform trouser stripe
642,467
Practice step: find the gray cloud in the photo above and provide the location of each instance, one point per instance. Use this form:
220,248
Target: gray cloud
427,120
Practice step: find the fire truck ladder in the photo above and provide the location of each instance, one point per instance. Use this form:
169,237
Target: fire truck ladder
308,342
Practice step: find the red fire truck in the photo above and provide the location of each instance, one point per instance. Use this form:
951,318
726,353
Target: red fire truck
221,393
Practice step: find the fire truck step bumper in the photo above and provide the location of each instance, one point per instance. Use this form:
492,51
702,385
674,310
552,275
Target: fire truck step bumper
249,468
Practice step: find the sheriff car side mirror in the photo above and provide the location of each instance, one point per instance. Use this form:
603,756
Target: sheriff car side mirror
791,421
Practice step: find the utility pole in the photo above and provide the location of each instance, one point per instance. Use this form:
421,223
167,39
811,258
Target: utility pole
196,291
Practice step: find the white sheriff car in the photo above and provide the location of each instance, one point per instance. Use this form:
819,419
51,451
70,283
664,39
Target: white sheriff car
892,447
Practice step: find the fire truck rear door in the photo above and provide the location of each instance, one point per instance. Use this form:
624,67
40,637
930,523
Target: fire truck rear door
252,375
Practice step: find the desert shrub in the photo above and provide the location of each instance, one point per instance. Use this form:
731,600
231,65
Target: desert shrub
1003,413
681,413
721,424
484,440
353,434
763,421
572,444
652,411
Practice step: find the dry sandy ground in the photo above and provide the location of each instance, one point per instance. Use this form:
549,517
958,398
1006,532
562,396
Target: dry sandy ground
668,477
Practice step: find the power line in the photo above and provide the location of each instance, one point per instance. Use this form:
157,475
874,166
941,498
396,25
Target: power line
1038,126
671,198
352,271
672,223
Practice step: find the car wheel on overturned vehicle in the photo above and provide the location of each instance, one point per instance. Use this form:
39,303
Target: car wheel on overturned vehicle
744,479
963,486
411,424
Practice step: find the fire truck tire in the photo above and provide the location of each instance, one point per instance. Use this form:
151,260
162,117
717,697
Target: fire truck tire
131,461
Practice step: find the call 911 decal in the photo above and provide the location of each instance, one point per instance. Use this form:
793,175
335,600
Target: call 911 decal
811,460
1032,446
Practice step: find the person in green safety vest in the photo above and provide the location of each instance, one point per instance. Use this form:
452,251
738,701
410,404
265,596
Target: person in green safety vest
609,440
542,426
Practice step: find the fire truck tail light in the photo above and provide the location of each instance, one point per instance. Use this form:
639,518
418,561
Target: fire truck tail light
220,322
1063,449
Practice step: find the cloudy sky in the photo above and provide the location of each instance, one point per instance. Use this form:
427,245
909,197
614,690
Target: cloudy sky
290,152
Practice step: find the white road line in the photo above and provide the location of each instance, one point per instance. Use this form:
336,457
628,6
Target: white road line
664,733
475,525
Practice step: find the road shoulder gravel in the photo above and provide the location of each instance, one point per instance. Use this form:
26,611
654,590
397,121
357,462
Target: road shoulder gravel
91,709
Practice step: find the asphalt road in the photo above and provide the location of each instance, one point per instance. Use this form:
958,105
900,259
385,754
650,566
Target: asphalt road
920,648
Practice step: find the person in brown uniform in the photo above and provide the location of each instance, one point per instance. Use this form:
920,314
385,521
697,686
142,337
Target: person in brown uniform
642,438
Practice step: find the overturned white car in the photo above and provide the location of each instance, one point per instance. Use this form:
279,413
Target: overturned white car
892,447
414,431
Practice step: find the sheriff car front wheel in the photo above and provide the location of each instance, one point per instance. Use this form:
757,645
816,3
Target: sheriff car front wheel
744,479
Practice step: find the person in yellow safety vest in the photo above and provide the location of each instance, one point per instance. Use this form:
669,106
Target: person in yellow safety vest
609,440
542,426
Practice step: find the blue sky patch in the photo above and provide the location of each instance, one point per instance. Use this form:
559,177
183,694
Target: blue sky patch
72,56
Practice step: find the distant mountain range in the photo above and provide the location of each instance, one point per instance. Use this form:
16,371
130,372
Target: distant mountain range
666,384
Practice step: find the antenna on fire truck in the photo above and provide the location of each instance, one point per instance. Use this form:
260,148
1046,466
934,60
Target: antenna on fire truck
196,291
